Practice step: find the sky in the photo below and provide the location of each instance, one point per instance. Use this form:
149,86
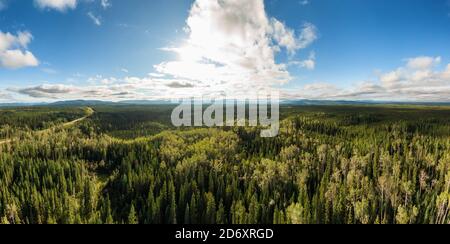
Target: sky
389,50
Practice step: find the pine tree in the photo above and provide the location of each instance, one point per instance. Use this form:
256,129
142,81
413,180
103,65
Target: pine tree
187,215
210,215
220,215
172,209
132,217
193,209
151,217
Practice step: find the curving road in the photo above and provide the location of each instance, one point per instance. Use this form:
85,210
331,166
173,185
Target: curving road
89,112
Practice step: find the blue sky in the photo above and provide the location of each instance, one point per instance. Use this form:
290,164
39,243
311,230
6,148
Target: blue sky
138,49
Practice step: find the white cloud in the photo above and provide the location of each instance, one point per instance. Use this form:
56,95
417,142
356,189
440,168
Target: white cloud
60,5
13,51
49,71
304,2
232,45
307,36
285,37
6,97
45,91
8,40
418,80
98,79
105,4
63,5
3,4
390,79
156,75
309,63
423,62
15,59
113,89
446,73
96,19
401,84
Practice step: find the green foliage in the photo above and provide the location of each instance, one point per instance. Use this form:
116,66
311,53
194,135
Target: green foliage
36,118
328,165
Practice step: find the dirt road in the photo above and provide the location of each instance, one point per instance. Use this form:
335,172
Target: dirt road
89,112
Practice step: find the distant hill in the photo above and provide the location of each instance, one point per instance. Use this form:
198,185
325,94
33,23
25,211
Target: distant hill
98,102
344,102
325,102
81,103
303,102
146,102
89,103
5,105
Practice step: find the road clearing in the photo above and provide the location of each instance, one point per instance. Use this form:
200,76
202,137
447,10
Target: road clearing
89,113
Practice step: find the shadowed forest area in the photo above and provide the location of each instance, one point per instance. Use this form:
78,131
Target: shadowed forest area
128,164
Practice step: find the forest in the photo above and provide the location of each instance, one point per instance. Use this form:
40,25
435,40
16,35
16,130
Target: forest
365,164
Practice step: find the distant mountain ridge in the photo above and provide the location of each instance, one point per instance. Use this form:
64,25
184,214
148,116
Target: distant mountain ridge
301,102
86,103
349,102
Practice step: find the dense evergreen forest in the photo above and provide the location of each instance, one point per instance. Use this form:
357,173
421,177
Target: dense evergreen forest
36,118
330,164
